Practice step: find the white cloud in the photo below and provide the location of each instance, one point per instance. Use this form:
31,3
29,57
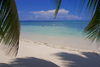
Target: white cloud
73,17
50,14
70,17
63,11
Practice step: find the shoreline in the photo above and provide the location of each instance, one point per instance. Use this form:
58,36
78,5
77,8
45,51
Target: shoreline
73,42
37,54
50,51
59,46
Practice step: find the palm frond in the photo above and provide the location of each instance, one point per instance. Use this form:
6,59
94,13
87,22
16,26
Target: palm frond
9,27
58,2
91,5
93,28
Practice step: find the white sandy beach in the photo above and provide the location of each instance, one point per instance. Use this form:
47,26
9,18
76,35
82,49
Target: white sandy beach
36,53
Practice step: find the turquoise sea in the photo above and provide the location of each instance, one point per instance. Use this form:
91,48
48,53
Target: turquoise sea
54,28
62,33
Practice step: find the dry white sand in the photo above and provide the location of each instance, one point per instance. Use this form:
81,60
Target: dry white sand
73,42
39,54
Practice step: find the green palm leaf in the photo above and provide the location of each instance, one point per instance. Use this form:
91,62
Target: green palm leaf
58,2
9,27
93,28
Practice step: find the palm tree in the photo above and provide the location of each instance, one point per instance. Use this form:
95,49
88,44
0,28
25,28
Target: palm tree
9,27
93,28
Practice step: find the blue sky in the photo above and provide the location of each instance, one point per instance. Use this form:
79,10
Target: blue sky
44,10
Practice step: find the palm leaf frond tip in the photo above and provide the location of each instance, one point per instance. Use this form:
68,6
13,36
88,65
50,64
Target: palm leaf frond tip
9,27
57,9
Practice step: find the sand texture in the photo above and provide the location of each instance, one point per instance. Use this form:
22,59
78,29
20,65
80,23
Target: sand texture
38,54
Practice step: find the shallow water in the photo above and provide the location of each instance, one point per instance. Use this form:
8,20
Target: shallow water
62,33
54,28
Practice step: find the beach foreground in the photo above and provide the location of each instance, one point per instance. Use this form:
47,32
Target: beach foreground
38,54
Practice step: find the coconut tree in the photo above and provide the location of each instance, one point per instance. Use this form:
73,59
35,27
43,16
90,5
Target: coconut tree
93,28
9,27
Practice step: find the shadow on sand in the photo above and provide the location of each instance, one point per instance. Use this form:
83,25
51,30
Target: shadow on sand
74,60
29,62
